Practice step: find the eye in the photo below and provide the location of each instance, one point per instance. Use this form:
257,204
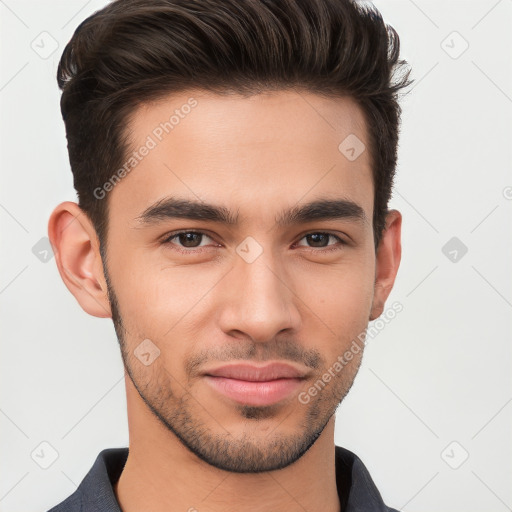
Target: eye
321,239
187,239
191,241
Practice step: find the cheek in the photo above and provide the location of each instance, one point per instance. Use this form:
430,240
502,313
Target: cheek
340,303
339,296
162,302
168,303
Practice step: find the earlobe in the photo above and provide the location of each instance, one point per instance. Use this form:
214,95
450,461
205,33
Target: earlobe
76,248
388,258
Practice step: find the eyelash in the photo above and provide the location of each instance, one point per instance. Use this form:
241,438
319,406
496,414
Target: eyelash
195,250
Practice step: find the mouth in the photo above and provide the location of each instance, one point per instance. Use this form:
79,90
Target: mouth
255,385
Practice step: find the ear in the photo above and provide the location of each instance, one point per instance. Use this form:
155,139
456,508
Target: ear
76,249
388,257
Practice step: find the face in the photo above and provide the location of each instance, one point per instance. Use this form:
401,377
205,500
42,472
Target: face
244,235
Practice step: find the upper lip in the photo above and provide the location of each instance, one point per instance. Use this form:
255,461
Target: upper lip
250,372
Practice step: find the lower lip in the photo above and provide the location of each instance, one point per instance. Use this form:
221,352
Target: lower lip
254,393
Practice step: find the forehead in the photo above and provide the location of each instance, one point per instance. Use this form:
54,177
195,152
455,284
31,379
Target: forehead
255,153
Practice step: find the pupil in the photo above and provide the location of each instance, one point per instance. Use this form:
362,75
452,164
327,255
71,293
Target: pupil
188,238
316,236
185,238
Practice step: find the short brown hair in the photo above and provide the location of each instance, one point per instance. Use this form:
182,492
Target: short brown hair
134,51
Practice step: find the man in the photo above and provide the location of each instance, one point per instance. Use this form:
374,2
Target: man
233,162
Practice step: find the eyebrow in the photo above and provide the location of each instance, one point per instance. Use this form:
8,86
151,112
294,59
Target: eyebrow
322,209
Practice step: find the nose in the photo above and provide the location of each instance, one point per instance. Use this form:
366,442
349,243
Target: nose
258,300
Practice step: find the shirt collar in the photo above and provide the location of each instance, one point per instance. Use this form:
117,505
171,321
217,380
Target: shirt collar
356,489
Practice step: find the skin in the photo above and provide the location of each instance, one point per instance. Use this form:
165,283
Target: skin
189,445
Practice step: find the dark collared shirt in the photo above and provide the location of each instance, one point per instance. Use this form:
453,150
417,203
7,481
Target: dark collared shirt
356,488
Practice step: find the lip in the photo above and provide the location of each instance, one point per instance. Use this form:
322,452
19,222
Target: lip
255,385
253,373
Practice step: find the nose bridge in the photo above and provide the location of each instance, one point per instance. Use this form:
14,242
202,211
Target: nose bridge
259,301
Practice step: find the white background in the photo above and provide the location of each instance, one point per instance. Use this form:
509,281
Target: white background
439,372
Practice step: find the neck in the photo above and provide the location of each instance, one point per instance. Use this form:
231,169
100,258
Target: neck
162,475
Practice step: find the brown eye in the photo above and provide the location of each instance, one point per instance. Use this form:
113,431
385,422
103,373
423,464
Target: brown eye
186,239
321,240
318,239
189,239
